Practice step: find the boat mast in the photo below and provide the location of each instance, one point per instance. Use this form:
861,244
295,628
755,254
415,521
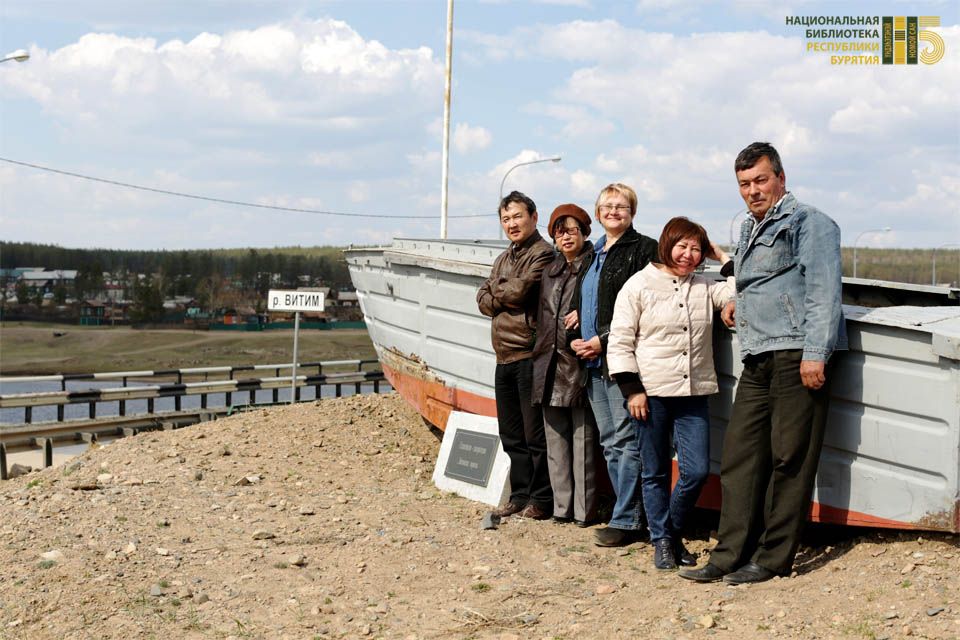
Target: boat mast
446,124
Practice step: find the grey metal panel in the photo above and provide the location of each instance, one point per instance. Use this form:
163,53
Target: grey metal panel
418,307
892,448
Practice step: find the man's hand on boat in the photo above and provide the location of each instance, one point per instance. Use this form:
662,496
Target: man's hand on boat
728,314
812,373
587,349
570,321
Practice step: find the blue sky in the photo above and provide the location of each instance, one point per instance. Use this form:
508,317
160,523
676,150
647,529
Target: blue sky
337,106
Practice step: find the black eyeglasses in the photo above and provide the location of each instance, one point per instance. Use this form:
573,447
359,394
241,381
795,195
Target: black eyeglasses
559,232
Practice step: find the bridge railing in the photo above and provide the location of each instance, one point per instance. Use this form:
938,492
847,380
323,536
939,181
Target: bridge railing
238,392
227,382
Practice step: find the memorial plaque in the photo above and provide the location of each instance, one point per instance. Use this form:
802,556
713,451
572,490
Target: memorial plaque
471,463
471,457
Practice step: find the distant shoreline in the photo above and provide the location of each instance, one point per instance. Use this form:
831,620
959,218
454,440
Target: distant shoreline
33,349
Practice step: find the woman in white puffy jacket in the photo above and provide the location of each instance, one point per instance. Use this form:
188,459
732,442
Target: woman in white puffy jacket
660,352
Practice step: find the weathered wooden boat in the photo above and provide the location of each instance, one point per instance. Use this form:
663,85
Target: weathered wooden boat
892,452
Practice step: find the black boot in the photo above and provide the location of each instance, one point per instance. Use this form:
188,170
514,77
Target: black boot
663,555
681,556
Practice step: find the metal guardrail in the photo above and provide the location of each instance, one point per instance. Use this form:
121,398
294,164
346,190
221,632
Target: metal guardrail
31,436
46,436
229,386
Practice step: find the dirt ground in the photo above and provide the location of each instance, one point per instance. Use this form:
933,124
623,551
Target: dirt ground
321,521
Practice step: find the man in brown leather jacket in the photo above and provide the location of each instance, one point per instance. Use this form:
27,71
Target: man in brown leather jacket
510,296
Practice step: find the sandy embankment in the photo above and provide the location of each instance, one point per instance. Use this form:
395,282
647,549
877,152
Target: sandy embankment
320,521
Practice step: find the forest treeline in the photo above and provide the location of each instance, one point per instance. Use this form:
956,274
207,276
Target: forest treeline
184,272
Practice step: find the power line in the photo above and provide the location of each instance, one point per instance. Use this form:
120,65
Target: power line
238,203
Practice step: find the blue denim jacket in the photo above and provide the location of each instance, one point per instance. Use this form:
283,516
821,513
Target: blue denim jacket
788,283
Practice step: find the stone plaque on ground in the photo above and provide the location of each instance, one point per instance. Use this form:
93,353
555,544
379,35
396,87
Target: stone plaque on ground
471,457
471,462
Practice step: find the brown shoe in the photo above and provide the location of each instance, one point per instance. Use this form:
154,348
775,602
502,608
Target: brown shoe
508,509
534,512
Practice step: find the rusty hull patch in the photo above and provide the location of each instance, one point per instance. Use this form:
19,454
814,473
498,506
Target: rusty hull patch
946,520
409,364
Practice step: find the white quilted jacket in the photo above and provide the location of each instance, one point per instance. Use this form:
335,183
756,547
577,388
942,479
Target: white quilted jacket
662,328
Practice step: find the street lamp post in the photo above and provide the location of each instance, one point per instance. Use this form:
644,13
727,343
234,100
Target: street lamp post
20,55
855,242
933,278
521,164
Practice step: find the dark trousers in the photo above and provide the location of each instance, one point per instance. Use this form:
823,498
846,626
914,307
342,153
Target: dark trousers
770,455
522,436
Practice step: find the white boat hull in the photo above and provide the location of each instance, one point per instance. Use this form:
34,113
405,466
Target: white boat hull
891,455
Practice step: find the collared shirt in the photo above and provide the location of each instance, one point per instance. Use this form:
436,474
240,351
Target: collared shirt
588,297
757,225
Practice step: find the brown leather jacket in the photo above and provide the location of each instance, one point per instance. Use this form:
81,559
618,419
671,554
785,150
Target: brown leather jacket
558,379
510,296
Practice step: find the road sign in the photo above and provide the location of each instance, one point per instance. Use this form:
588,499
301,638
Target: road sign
297,301
280,300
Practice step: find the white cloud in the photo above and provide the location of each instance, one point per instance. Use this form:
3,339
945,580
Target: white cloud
578,122
584,183
302,110
426,161
584,4
467,138
293,111
670,121
862,117
333,159
359,191
607,164
318,75
526,156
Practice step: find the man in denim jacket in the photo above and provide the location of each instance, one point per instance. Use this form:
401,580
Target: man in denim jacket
789,321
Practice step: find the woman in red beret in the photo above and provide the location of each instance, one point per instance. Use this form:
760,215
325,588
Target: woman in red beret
557,376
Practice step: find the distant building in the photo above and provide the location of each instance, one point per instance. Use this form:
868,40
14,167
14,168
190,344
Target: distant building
112,291
47,280
348,299
93,312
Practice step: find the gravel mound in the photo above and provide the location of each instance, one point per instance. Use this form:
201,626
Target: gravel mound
321,521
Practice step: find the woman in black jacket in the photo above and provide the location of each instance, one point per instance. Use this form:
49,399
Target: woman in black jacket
617,256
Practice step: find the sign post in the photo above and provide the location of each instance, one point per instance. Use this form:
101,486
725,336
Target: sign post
293,370
296,301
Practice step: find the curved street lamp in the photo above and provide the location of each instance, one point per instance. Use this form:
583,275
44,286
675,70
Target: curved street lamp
522,164
933,279
855,242
20,55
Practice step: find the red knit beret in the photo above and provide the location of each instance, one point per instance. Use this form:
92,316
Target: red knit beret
572,211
